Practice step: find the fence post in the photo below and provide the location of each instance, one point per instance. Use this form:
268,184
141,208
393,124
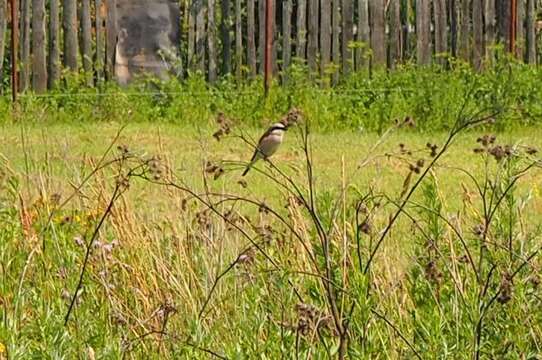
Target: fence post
269,13
39,62
14,46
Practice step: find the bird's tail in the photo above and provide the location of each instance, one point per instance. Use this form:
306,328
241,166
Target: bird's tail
247,169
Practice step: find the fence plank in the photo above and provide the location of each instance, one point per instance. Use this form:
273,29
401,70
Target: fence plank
503,21
520,30
490,22
25,44
261,35
98,24
454,25
441,30
301,43
251,38
3,27
86,39
325,34
478,33
226,38
238,40
395,45
191,50
335,42
312,43
211,40
378,31
423,32
363,34
286,37
39,62
111,37
54,44
69,21
464,31
347,16
531,32
200,35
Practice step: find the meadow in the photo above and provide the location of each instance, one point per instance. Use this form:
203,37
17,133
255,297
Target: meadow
400,219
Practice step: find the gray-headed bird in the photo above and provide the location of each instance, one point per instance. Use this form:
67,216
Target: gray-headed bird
268,143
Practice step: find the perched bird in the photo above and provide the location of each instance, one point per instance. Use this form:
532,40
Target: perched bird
268,143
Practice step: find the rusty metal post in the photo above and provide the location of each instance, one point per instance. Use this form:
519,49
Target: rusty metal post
14,47
513,24
269,14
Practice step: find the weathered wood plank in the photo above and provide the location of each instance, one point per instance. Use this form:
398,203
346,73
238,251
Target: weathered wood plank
378,32
211,41
347,16
25,44
111,37
200,35
226,37
325,34
39,62
490,25
454,26
478,33
261,35
251,38
531,32
3,28
312,43
395,43
423,32
503,22
69,25
520,29
86,40
335,41
301,43
363,35
465,31
286,37
238,40
191,47
441,30
98,24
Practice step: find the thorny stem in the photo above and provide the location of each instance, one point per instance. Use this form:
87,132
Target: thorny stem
116,193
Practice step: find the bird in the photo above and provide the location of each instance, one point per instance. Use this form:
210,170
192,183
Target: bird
268,143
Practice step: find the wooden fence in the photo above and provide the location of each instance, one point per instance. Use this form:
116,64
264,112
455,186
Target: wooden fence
219,37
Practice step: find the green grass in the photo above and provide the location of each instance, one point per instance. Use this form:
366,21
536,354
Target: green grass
158,247
361,102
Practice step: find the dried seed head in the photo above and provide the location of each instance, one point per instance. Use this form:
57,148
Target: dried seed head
432,272
498,152
263,208
217,135
365,227
218,173
478,230
505,294
420,163
243,183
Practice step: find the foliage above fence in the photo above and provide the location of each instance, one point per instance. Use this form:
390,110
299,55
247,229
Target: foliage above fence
218,38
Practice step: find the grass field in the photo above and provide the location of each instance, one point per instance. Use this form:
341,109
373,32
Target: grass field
188,266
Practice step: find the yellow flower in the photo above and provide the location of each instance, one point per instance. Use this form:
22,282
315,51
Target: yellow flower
2,348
